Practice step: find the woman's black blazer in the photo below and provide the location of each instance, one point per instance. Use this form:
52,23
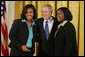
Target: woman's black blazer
65,41
18,36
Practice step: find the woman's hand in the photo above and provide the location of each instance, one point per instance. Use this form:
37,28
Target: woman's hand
25,48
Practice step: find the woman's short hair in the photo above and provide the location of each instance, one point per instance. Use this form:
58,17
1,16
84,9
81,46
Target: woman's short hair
24,11
67,14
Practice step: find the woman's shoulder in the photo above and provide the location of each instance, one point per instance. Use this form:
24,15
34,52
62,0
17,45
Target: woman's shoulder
69,25
17,20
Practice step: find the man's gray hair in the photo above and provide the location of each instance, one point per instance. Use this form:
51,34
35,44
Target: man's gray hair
49,7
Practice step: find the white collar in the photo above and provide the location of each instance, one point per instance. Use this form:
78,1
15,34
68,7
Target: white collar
64,22
49,21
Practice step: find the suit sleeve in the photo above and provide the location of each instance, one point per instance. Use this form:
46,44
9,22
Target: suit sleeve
38,31
70,40
13,36
38,38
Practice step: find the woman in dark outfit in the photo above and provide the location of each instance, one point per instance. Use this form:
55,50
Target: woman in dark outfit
23,33
65,36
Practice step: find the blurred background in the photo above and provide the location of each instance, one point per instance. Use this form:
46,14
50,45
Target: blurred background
14,9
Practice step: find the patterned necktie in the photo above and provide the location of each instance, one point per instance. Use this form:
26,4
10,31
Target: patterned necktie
47,30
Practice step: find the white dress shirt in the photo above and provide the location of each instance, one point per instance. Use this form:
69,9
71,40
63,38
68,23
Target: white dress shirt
50,24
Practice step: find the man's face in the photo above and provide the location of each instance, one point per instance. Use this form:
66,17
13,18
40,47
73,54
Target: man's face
46,13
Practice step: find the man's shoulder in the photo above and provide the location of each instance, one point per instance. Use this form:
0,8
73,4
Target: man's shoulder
39,20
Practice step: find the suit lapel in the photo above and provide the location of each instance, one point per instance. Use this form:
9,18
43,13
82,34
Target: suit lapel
43,31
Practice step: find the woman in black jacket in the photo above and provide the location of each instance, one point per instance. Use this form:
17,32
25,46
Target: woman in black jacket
23,33
65,36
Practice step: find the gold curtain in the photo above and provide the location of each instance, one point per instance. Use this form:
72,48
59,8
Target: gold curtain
76,7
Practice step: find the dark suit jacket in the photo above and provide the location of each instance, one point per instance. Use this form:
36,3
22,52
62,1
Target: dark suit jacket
65,41
18,36
46,47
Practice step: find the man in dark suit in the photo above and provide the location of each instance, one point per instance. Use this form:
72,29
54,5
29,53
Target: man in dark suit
47,25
